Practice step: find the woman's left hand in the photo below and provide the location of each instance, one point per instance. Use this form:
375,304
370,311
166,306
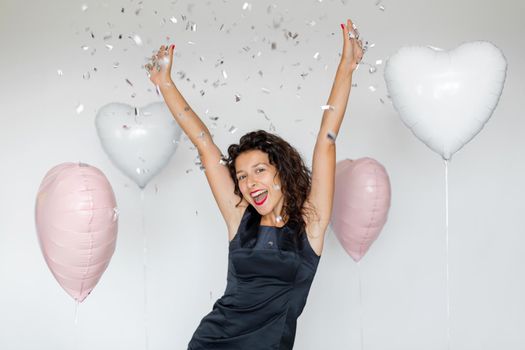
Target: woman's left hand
352,46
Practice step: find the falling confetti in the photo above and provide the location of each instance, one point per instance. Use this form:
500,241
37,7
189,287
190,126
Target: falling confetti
224,74
136,39
331,136
263,113
232,129
84,7
316,56
109,47
129,82
237,97
173,19
372,69
59,72
325,107
378,62
247,6
372,88
84,47
86,76
80,108
116,64
265,90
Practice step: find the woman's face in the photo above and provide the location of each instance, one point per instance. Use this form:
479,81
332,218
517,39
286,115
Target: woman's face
258,181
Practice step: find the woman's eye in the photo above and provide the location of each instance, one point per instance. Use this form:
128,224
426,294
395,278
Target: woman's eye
240,177
261,169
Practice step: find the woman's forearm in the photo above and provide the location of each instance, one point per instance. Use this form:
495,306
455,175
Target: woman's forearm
187,119
333,115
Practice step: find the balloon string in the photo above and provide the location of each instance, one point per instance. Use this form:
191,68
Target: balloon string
360,304
77,343
447,255
144,255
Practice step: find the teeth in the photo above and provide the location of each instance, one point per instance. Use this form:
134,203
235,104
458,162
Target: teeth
258,193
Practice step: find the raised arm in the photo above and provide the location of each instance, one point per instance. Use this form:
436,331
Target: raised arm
217,174
323,163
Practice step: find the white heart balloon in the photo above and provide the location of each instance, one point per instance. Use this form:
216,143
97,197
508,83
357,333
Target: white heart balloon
445,97
139,141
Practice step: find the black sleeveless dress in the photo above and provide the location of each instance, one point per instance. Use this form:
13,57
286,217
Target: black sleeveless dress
270,272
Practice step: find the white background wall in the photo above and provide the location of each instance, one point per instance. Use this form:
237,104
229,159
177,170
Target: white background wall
403,275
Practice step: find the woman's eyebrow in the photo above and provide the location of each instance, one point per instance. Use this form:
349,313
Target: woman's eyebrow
253,166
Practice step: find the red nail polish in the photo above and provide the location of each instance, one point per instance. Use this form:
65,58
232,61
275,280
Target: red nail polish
172,46
342,26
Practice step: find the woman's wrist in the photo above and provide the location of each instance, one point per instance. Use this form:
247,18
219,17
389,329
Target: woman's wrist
345,66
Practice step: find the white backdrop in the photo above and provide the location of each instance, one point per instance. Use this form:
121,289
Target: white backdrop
402,276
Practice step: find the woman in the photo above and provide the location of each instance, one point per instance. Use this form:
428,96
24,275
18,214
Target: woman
275,209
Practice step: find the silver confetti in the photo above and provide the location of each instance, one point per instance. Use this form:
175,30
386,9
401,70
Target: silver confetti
372,88
173,19
263,113
129,82
331,136
224,74
116,64
59,72
136,39
84,7
84,47
325,107
237,97
316,56
372,69
247,6
232,129
109,47
265,90
86,76
378,62
80,108
278,218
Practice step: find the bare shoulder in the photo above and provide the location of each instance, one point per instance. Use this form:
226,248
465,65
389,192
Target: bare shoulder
235,220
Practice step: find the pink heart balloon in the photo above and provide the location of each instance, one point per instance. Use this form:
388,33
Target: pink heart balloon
361,204
76,223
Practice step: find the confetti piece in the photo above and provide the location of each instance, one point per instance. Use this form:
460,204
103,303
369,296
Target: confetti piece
60,73
86,76
232,129
84,7
378,62
84,47
136,39
80,108
372,69
237,97
129,82
265,90
116,64
331,136
263,113
247,6
109,47
224,74
173,19
372,88
325,107
316,56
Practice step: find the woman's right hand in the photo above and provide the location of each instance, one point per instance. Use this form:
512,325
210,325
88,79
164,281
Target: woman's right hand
159,69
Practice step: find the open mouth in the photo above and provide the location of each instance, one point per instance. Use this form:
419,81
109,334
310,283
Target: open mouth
261,198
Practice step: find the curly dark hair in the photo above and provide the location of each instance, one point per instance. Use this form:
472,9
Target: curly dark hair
296,178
